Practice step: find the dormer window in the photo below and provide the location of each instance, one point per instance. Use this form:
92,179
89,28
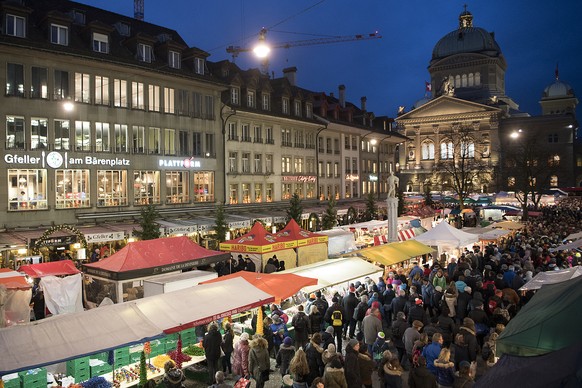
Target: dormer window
199,66
266,101
78,17
308,111
285,105
298,108
251,99
100,43
235,96
174,59
15,26
59,35
144,52
122,28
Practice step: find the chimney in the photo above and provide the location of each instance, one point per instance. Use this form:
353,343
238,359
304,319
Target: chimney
342,95
291,75
363,103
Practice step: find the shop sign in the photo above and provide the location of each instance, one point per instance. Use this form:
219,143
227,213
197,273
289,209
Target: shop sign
63,240
239,224
298,178
56,159
182,229
352,177
186,163
373,178
279,219
104,237
305,216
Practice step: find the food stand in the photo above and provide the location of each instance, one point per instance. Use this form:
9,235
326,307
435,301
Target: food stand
311,247
120,277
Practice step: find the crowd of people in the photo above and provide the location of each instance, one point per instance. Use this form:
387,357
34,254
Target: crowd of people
439,321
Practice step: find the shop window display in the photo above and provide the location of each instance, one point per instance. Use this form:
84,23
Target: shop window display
72,189
27,189
146,187
111,188
177,187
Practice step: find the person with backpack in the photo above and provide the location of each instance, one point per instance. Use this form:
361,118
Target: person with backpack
300,323
336,317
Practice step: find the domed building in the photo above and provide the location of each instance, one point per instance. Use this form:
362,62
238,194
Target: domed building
462,131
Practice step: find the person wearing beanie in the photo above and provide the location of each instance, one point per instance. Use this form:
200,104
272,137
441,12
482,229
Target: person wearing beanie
285,355
279,330
464,379
352,365
330,353
381,345
411,335
336,316
371,326
301,323
327,337
417,313
313,352
481,320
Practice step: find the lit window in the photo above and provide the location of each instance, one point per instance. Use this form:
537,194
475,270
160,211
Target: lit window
427,150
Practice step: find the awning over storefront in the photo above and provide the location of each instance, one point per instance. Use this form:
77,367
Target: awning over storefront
405,234
178,226
53,268
279,285
394,253
335,271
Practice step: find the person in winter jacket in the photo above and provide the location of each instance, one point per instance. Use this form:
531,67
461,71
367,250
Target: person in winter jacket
259,360
279,330
445,368
469,336
285,355
446,326
173,377
315,320
301,325
330,353
352,365
431,352
360,311
327,337
240,365
380,346
350,302
464,378
399,326
371,326
420,377
367,367
299,369
212,345
313,353
336,317
390,373
334,375
227,348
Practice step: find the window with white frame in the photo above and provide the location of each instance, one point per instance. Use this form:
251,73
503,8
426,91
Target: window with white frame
246,162
15,26
102,137
308,110
120,93
246,132
59,35
153,140
146,187
154,98
468,149
250,98
177,187
298,108
72,188
427,150
258,134
298,165
100,43
269,133
235,96
232,131
82,135
285,164
138,139
204,186
269,163
232,162
101,90
121,137
447,149
310,165
174,59
199,66
82,88
285,105
39,82
169,100
266,101
258,164
38,133
286,137
62,134
144,53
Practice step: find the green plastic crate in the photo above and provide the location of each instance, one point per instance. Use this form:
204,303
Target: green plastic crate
122,361
121,352
78,364
170,345
100,356
33,378
134,357
12,383
99,370
81,375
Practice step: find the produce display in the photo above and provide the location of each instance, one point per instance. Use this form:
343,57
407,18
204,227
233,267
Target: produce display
194,350
130,374
160,361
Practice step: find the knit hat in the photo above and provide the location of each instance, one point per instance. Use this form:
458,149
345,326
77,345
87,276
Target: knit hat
352,343
381,335
439,288
287,381
329,330
464,364
418,301
287,341
244,336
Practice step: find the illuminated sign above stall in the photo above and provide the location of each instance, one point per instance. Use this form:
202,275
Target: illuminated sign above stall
57,160
186,163
298,178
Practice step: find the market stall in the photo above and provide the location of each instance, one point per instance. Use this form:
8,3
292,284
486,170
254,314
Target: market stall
120,277
15,294
339,241
261,245
551,277
394,253
311,247
334,272
447,238
61,283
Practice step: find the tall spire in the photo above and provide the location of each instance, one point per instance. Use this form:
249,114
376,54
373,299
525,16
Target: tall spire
465,19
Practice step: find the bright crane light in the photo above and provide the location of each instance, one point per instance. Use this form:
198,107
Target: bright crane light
261,50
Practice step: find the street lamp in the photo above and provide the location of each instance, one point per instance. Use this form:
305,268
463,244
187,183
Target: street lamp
224,118
516,134
325,123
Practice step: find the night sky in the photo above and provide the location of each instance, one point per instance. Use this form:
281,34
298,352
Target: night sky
534,36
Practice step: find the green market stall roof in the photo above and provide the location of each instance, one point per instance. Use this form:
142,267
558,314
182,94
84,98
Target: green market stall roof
154,257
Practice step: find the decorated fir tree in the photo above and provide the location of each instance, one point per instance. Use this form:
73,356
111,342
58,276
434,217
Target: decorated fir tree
143,373
260,321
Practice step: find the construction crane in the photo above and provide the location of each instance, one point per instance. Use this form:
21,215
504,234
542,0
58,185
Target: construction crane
262,50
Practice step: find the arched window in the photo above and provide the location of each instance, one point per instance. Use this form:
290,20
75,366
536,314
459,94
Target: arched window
427,150
457,81
477,79
446,149
464,80
468,149
471,79
554,181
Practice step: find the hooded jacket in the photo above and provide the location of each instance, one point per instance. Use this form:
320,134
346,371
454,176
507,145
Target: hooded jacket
352,368
334,378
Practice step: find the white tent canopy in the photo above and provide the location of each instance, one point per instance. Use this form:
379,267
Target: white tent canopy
574,236
339,241
67,336
551,277
446,235
335,271
566,247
